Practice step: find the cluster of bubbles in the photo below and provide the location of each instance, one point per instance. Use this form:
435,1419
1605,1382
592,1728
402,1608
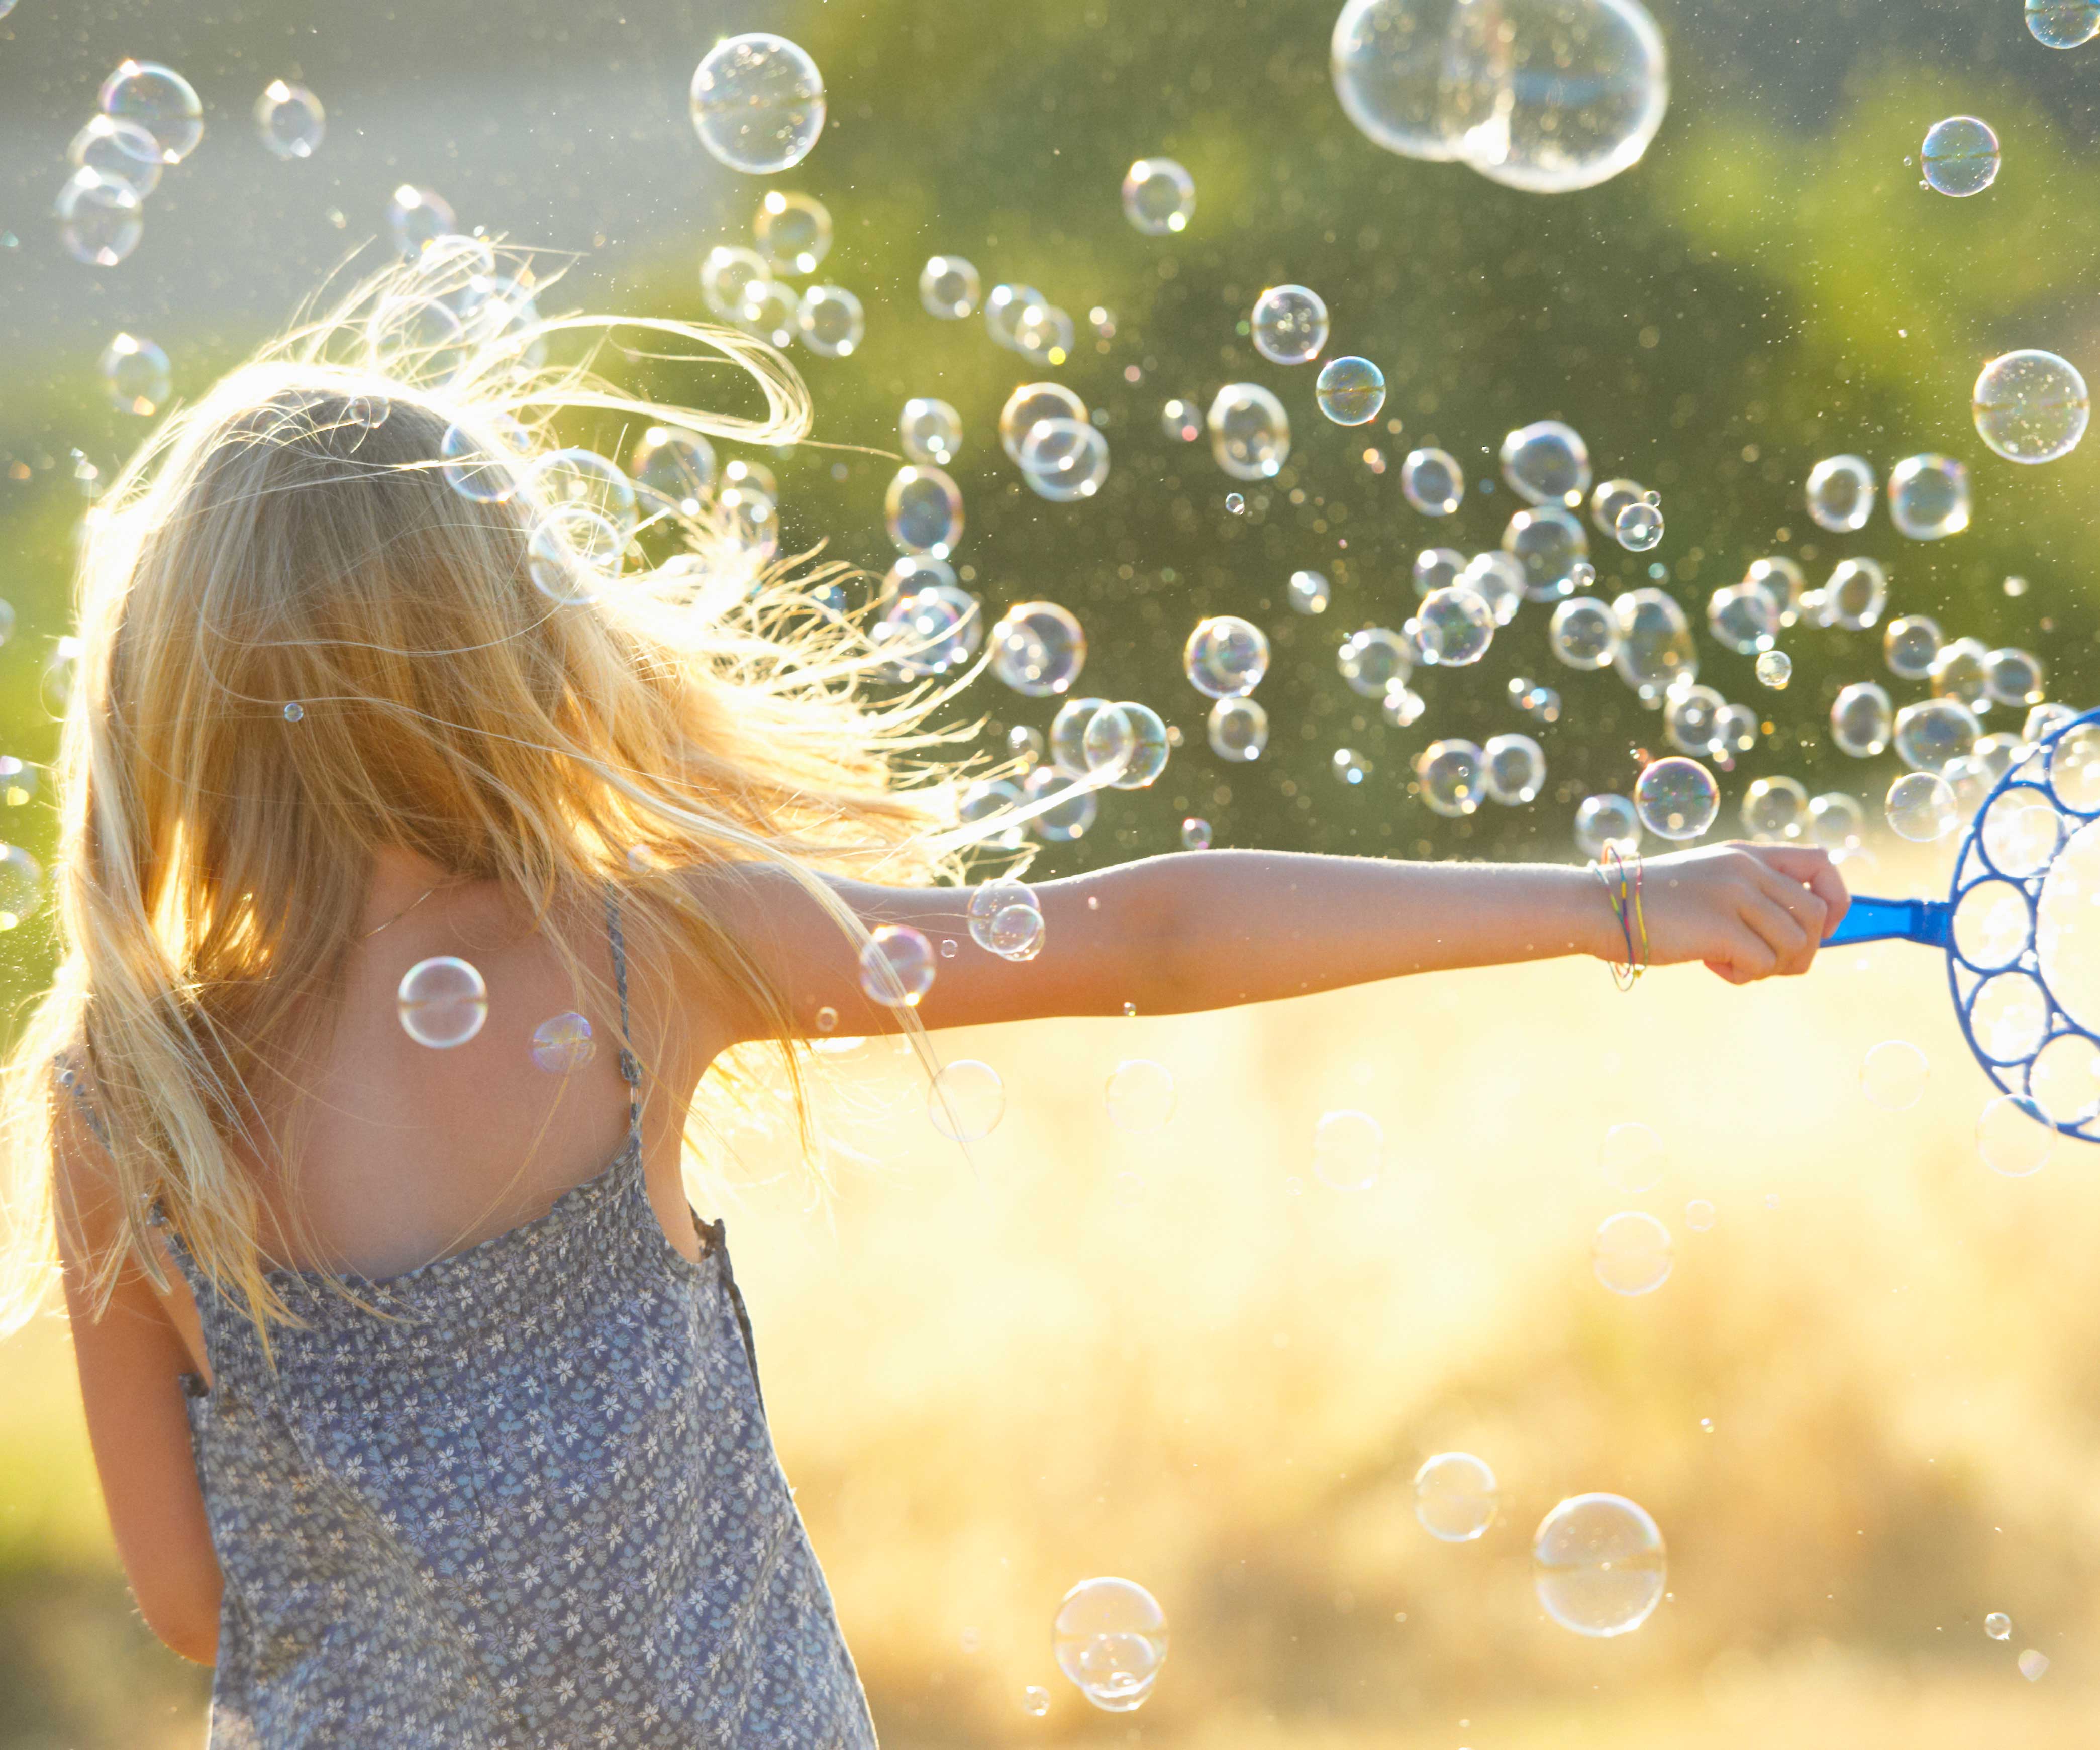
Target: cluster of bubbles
745,284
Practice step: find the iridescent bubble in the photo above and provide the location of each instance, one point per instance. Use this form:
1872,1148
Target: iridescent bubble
1110,1639
2063,24
1655,649
1181,421
1034,1701
929,629
2015,1135
1450,776
897,966
1499,580
1677,798
1249,432
21,887
572,555
1455,1497
158,100
584,479
1930,735
1638,527
1861,719
136,374
1735,731
1689,714
1603,821
1309,593
966,1100
675,467
2013,677
757,103
1835,821
1909,645
1432,482
477,467
1038,649
1599,1565
1402,707
417,218
118,152
1235,503
930,431
1159,196
793,232
1351,391
1068,734
990,903
1348,1151
1998,1625
1195,833
991,802
1289,325
1064,459
1438,568
949,288
1129,740
1545,462
1632,1253
1028,407
1959,157
18,781
442,1002
290,119
1044,334
1921,808
563,1044
1005,307
1741,616
1139,1095
1960,670
1775,669
1632,1159
1550,543
1225,656
2031,405
1609,498
1841,493
1856,594
922,511
99,220
1455,627
830,320
729,278
1776,809
1512,769
1237,729
1371,660
1584,634
1929,497
1699,1218
1782,583
1893,1074
1349,766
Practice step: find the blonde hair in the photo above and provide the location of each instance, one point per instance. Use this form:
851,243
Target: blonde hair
296,541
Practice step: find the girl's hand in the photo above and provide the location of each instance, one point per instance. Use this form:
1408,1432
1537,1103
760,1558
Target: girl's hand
1747,910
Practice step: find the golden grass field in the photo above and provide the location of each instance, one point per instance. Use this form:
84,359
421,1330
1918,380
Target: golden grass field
1179,1358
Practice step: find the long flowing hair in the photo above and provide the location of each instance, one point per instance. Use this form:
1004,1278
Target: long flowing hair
346,600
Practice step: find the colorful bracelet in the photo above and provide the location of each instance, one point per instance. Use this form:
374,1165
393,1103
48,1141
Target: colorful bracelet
1629,909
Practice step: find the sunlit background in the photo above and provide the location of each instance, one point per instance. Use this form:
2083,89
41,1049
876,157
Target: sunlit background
1860,1408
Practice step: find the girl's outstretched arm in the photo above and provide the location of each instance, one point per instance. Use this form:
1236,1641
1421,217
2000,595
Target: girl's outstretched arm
1210,929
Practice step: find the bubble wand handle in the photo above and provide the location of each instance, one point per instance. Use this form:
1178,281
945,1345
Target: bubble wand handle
1929,921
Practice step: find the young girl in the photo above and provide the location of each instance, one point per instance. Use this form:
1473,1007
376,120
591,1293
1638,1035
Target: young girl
424,1405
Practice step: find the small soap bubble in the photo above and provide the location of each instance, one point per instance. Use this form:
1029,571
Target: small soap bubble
1744,617
1455,1497
290,119
949,288
1584,634
1289,325
897,967
1504,580
1599,1565
1309,593
1195,833
1841,493
1512,769
1034,1701
442,1002
136,373
1632,1158
1351,767
1545,462
100,220
2031,405
930,431
830,321
1775,669
1928,735
416,218
1638,527
757,103
1139,1093
1159,196
2015,1135
1775,810
1181,421
1235,503
1632,1253
21,886
1998,1625
1921,808
1960,155
1450,776
1929,496
1348,1151
563,1043
966,1100
1225,656
1110,1640
729,276
1699,1218
1454,627
1351,391
1038,649
923,510
294,711
794,231
1237,729
160,101
2034,1664
1249,432
1604,821
1677,799
1862,718
1432,482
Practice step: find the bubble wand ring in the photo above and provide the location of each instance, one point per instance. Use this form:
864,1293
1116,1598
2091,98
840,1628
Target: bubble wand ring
2009,908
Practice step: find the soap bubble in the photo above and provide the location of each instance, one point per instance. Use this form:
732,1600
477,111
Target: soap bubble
1450,777
1182,420
1960,670
1128,740
21,887
1238,729
1225,656
1348,1151
1005,919
1735,731
1677,798
1195,833
1835,821
728,276
416,218
442,1002
137,375
1289,325
1545,461
1068,734
922,511
118,152
1110,1638
1607,820
2015,1135
1034,1701
158,100
1350,391
1401,706
1038,649
1512,769
1632,1158
18,781
1455,1497
1599,1565
1005,307
1909,645
1776,809
1856,595
1249,432
100,219
1960,155
1841,493
1064,459
758,103
1499,580
1610,497
584,480
1455,627
1584,634
1139,1095
1438,568
1044,332
1780,579
1921,808
1930,735
572,554
1550,544
1309,593
1742,617
793,232
949,288
1234,503
1351,767
1638,526
1432,482
1699,1218
2063,24
1029,406
929,629
1655,649
1775,669
966,1100
672,466
1159,196
1371,660
930,431
1861,719
290,119
1929,496
1539,702
897,967
563,1044
1632,1253
1998,1625
1689,714
2013,677
1892,1075
2031,405
830,320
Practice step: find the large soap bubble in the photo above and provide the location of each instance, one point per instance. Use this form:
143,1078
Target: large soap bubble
1110,1639
159,100
758,103
2031,405
1599,1565
1249,432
